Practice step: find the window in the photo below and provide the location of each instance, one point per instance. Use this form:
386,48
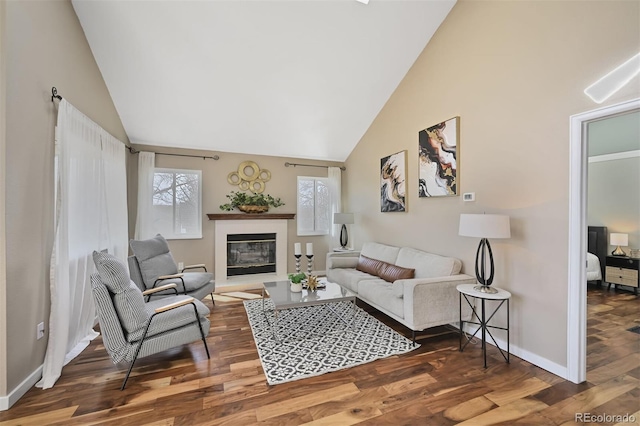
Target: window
314,206
177,200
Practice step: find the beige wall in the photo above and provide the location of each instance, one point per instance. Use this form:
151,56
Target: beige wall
614,198
514,72
45,47
214,189
3,275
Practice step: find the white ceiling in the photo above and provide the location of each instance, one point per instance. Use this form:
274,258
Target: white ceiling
297,78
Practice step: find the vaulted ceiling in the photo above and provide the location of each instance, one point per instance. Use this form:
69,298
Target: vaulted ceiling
297,78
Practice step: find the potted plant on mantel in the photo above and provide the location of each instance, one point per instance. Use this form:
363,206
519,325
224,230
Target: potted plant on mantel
250,203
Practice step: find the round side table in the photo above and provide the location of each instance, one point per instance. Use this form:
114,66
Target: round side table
466,291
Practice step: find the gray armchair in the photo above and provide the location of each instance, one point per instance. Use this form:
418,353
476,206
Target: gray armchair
152,265
133,329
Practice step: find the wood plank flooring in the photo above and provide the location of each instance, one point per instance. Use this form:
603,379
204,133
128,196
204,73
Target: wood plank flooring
433,385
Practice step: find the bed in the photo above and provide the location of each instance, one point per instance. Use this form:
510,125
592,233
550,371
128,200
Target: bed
597,247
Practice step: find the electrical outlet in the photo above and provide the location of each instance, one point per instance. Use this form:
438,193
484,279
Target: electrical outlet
40,331
181,265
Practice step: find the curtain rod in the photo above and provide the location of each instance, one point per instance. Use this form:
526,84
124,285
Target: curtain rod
343,168
204,157
54,96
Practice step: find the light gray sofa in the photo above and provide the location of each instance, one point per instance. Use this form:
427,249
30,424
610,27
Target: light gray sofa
427,300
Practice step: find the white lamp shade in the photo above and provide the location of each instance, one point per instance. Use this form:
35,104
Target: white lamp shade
485,226
343,218
619,239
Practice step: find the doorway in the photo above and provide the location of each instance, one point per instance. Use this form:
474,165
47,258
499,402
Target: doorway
577,297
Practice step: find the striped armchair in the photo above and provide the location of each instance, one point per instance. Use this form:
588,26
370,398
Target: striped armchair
131,328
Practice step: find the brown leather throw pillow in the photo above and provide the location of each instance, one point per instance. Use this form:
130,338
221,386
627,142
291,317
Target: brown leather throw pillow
390,273
387,271
368,265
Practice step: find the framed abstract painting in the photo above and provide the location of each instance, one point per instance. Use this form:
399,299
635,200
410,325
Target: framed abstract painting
392,182
437,156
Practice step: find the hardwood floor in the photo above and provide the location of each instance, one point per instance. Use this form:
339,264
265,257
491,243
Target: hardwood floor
433,385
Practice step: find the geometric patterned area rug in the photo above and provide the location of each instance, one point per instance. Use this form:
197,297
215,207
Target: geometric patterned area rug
314,340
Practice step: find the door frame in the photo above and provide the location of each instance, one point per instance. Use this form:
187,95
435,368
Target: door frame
577,296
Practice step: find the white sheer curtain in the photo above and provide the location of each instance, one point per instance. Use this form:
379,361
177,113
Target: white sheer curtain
146,166
335,182
91,214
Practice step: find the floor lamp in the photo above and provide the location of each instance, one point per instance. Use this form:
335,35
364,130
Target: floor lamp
343,219
484,226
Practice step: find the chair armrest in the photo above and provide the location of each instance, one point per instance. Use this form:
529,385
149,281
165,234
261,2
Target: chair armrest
161,288
168,277
196,266
174,305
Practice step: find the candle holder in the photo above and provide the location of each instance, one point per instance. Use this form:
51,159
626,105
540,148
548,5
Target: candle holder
297,256
309,263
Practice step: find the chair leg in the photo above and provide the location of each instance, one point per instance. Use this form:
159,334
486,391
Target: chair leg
204,340
213,301
135,357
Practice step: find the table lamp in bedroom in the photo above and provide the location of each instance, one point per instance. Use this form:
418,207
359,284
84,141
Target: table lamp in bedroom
616,239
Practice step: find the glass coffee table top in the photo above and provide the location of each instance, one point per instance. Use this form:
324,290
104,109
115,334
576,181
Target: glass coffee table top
282,297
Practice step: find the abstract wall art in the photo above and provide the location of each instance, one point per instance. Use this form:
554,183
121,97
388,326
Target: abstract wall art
438,159
392,183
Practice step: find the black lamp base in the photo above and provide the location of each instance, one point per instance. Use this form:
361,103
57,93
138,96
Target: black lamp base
481,274
344,237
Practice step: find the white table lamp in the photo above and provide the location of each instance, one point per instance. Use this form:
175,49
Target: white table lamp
616,239
484,226
343,219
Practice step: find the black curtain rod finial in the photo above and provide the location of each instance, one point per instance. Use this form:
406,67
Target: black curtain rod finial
54,94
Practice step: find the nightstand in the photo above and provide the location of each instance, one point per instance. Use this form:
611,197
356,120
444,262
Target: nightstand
622,270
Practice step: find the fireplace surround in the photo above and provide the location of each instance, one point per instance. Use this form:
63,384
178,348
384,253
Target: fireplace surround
248,227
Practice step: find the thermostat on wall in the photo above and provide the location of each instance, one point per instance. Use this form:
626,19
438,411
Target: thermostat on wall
469,196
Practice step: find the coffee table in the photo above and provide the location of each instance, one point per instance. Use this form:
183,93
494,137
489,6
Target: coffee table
283,298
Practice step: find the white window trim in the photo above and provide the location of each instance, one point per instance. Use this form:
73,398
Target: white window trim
194,236
311,233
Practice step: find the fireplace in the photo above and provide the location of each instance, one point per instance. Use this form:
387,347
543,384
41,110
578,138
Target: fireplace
250,250
251,254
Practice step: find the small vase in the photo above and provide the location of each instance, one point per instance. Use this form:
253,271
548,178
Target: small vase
296,287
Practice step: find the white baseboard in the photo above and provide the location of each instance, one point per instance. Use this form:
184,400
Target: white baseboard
534,359
7,402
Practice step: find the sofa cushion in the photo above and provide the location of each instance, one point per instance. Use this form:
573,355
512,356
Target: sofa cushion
379,251
379,292
348,277
428,265
398,288
391,273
